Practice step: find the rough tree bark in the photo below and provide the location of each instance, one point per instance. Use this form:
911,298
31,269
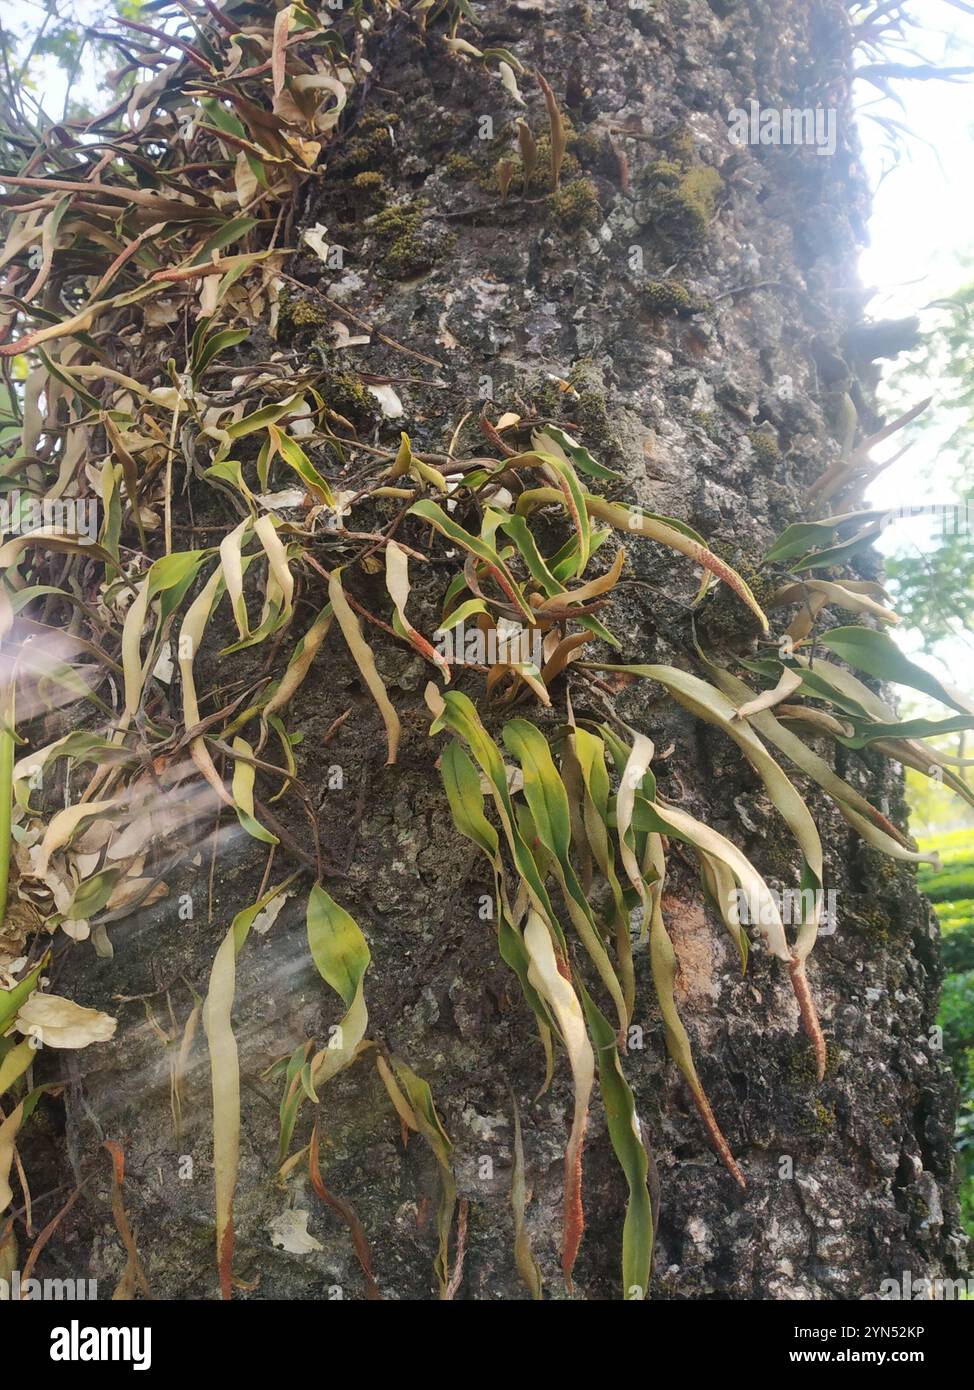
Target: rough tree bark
721,416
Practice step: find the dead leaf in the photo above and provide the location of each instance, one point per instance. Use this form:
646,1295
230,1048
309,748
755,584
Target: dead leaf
58,1022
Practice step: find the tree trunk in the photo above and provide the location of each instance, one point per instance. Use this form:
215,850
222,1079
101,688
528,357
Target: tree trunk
693,295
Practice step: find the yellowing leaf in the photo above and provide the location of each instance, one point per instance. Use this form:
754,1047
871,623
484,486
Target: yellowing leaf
190,637
661,954
527,1265
558,993
397,582
510,82
63,825
15,1063
365,661
338,948
244,775
266,532
711,705
300,662
9,1129
225,1079
232,563
788,683
637,523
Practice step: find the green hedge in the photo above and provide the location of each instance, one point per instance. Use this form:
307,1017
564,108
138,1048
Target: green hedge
953,881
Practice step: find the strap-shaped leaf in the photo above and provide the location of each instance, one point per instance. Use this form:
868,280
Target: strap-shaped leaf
225,1080
397,582
518,530
814,766
556,990
803,537
648,879
562,474
479,549
548,802
637,523
708,703
466,799
9,1129
879,656
664,966
341,954
625,1133
426,1121
589,752
527,1265
300,662
266,415
462,786
554,440
926,761
190,638
242,789
815,594
365,661
295,457
453,710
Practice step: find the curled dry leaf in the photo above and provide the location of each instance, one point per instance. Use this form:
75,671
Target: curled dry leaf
58,1022
397,582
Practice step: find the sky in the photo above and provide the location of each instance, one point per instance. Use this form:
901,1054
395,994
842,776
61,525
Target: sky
21,17
922,209
921,228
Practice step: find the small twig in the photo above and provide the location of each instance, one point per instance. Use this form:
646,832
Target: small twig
334,726
758,285
364,324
